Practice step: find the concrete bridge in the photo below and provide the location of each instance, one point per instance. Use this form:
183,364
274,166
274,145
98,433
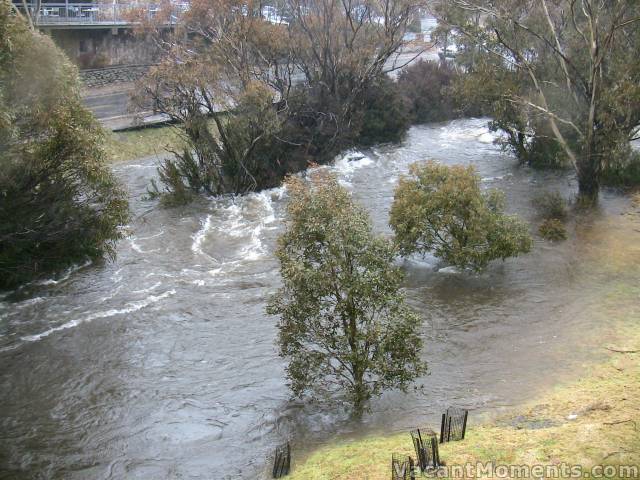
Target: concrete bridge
102,15
97,35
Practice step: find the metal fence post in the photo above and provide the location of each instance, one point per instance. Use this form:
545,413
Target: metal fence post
464,423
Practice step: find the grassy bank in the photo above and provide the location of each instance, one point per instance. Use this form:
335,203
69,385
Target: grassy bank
143,142
132,144
594,420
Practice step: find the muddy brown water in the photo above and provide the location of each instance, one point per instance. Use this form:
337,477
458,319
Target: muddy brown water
163,364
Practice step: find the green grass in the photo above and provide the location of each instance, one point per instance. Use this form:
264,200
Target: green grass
143,142
605,398
132,144
604,395
610,394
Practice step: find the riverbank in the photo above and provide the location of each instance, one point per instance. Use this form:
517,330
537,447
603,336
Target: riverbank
590,421
159,140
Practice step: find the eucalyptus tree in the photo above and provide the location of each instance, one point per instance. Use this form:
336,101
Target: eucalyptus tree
577,69
344,325
59,202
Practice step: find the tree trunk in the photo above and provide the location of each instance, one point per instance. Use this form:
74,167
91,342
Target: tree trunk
360,396
359,401
588,181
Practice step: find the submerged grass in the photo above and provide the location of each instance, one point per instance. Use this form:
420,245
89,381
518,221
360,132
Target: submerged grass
595,420
132,144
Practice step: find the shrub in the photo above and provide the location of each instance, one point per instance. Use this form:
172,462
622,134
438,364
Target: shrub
386,113
442,209
488,90
551,205
426,85
180,178
530,145
552,229
543,151
623,169
59,202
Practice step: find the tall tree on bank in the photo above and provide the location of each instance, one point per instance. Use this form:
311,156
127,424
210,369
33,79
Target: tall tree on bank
344,325
577,58
59,203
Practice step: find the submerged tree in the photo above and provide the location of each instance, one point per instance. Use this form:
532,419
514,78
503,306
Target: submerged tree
442,209
59,202
344,325
575,65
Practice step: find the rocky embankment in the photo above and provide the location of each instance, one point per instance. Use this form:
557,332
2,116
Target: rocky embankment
102,77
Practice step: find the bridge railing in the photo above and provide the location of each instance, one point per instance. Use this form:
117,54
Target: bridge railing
104,13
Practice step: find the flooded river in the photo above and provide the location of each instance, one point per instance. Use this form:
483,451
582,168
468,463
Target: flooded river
163,364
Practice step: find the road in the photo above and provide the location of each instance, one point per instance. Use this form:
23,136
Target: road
108,105
111,105
406,58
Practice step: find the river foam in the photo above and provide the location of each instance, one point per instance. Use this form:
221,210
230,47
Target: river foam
129,308
199,237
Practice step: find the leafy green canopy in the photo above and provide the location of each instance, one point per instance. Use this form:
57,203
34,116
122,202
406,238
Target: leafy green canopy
344,323
59,203
443,209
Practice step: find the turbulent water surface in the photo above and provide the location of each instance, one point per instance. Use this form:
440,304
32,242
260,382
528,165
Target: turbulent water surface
163,364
